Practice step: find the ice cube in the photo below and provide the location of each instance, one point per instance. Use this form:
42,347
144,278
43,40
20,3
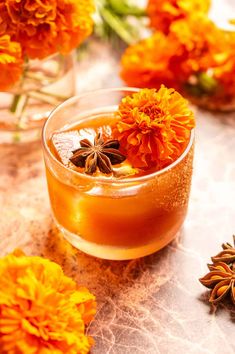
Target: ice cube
65,143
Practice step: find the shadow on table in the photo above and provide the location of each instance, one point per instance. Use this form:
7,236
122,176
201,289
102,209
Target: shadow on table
130,294
221,309
104,275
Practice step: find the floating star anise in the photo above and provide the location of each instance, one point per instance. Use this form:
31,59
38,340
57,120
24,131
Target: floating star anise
102,155
221,279
227,255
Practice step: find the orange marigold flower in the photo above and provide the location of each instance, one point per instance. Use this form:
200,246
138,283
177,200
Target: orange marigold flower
163,12
172,59
154,127
10,62
74,23
203,47
149,62
46,27
41,310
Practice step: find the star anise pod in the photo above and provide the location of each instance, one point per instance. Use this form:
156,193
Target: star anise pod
227,255
221,279
102,155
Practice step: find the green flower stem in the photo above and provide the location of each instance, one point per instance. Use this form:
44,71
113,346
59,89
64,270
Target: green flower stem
17,97
18,104
19,110
14,103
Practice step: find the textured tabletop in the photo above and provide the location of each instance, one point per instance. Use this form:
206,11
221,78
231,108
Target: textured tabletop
151,305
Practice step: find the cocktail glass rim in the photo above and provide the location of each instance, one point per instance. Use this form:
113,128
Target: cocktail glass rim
106,180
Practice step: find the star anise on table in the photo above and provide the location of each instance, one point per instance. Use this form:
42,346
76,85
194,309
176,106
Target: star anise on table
102,155
227,255
221,278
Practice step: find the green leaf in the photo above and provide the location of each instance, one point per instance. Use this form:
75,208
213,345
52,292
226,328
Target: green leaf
207,83
124,8
115,21
119,26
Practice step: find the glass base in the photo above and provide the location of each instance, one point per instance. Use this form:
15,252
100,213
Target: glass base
116,253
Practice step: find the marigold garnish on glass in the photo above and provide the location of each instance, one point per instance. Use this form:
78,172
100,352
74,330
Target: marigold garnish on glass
119,168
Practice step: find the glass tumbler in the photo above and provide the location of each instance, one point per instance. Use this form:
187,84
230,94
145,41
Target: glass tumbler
114,218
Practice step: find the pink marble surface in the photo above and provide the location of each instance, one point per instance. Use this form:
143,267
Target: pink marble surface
151,305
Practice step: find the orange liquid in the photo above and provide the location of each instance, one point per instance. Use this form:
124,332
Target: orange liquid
141,214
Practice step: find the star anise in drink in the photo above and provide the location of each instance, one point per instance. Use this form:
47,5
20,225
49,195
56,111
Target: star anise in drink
100,155
221,279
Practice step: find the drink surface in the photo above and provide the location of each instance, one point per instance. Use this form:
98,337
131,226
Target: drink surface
62,144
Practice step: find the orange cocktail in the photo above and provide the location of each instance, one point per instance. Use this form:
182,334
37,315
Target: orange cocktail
121,213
